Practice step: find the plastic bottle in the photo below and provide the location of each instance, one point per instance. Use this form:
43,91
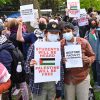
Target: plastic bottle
19,67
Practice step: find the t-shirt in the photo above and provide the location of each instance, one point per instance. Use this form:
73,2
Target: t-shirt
30,38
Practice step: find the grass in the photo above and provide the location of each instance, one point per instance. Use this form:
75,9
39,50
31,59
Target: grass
97,94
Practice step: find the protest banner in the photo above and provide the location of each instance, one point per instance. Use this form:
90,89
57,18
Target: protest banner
48,58
27,13
73,8
83,18
73,55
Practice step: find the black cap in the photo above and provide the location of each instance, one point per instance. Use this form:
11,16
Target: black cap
53,27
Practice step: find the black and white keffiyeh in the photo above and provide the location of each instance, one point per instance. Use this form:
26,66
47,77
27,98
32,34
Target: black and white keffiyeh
3,39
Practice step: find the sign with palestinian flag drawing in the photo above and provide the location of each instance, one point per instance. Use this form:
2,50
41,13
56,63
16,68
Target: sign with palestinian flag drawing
47,61
73,55
48,58
73,8
83,20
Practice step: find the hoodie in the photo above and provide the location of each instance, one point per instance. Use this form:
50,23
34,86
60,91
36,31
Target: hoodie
5,56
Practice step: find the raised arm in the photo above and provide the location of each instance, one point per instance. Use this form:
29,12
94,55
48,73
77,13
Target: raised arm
19,31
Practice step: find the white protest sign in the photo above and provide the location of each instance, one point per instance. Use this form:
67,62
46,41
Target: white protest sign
48,58
83,18
27,13
73,8
36,17
73,55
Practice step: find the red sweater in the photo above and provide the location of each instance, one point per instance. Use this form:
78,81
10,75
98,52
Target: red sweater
77,75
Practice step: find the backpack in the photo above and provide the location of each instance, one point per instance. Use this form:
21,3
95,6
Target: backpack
17,57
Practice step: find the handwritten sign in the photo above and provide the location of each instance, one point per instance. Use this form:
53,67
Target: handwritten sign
73,8
48,57
83,18
73,55
27,12
35,23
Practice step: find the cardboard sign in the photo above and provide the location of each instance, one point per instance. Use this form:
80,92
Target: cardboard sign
73,55
27,12
83,18
73,8
48,58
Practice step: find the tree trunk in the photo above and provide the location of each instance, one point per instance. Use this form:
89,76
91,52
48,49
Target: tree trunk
35,5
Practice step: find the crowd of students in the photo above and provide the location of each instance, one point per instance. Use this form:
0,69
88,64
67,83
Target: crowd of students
75,82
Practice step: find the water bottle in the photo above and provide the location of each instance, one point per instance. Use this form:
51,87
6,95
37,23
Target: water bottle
19,67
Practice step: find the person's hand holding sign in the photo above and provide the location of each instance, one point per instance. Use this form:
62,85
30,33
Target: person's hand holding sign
19,21
32,62
85,58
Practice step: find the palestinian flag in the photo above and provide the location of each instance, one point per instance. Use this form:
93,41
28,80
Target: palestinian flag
93,35
47,61
73,8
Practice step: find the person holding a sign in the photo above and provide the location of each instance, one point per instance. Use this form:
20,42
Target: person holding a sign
42,90
76,78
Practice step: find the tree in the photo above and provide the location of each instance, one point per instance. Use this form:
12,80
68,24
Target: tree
90,4
4,1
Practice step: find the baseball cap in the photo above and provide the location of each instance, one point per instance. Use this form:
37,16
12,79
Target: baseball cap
53,27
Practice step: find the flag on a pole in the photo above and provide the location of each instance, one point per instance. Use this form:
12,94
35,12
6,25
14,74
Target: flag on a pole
47,61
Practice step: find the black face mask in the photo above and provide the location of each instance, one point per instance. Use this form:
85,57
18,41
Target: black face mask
42,26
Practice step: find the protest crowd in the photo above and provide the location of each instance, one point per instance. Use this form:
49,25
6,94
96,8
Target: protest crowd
54,61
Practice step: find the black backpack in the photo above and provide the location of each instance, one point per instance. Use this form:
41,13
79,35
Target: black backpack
17,56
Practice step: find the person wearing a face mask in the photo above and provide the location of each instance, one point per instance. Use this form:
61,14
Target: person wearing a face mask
77,80
44,90
92,38
91,34
39,32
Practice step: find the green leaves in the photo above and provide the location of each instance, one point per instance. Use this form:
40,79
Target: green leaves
4,1
90,3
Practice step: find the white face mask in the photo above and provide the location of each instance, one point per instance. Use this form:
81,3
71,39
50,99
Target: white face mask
68,36
53,37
